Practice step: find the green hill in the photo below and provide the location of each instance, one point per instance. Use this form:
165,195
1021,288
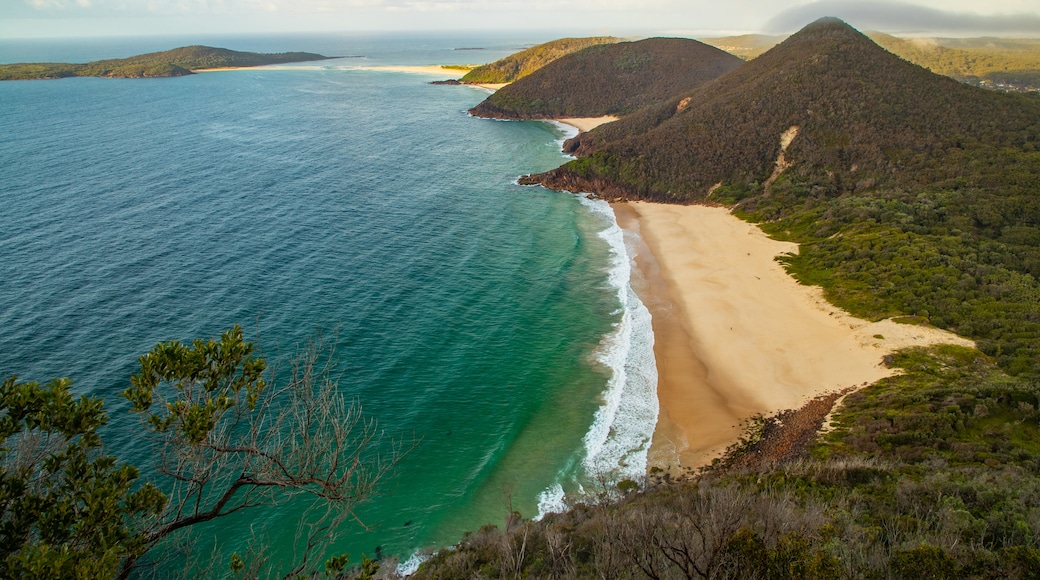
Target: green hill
987,61
928,184
1010,62
746,46
176,62
609,79
525,62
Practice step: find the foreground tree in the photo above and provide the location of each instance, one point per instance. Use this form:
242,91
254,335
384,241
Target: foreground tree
68,509
224,440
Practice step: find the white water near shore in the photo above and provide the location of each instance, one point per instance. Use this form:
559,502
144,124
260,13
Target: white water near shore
568,132
619,439
617,444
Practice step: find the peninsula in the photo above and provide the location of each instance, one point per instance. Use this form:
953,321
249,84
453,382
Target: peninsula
171,63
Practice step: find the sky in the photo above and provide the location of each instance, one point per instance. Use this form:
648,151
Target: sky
84,18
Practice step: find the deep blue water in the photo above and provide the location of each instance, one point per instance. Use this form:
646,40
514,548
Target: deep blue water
489,322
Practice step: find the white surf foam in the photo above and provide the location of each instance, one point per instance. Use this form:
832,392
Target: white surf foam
568,132
619,440
552,500
411,565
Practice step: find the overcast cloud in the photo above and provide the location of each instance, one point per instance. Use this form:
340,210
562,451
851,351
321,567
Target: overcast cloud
901,17
687,17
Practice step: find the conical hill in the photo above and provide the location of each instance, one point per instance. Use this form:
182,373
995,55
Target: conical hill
609,79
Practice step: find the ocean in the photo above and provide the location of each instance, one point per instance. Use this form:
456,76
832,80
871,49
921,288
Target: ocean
492,325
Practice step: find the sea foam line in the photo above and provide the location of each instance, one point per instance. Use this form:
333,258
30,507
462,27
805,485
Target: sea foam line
568,132
618,442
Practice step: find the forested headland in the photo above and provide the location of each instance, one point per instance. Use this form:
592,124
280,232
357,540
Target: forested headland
171,63
609,79
525,62
911,195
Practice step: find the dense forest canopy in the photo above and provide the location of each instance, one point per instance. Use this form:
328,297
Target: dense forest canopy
609,79
1014,63
176,62
525,62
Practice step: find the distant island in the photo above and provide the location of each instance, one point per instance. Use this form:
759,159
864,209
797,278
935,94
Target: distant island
171,63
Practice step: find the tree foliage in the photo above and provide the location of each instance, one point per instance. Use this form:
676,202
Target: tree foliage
68,509
224,437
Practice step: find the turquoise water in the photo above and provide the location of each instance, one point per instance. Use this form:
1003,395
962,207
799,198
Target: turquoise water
489,322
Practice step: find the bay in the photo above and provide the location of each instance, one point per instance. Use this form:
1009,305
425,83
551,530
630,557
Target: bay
476,318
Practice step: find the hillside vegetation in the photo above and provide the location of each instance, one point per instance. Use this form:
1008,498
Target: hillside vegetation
525,62
170,63
1014,63
987,61
911,193
609,79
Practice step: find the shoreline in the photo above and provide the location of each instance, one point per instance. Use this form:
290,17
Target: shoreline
585,124
735,335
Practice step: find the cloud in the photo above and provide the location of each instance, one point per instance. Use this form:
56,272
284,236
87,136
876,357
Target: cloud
899,17
47,4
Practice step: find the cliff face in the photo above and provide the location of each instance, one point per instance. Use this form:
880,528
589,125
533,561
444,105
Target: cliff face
611,79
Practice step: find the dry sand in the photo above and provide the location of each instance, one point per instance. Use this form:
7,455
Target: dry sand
227,68
736,335
586,123
426,70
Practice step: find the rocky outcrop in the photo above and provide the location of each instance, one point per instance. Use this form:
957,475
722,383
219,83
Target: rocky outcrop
561,179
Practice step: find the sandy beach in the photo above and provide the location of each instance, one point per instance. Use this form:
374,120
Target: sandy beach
226,68
736,335
586,123
426,70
